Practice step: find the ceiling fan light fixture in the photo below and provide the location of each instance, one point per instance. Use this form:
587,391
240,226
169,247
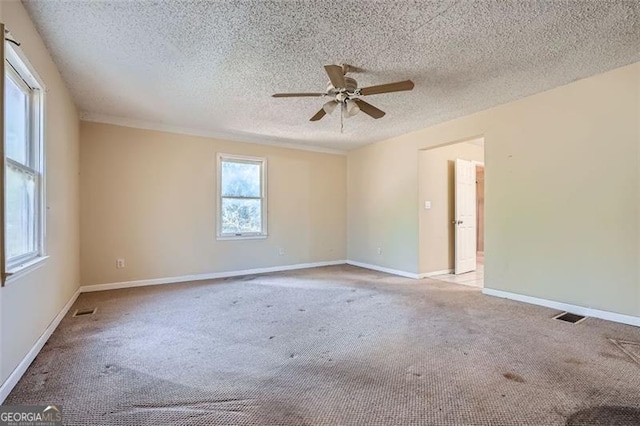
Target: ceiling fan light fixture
329,106
352,108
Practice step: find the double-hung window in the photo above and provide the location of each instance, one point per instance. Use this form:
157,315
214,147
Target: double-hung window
242,201
24,163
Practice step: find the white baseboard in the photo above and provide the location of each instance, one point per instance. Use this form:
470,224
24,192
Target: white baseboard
201,277
383,269
435,273
574,309
19,371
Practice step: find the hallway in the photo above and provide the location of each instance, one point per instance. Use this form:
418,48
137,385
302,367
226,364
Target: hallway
472,279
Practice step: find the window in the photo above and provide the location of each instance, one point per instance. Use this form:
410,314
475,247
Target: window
241,197
24,227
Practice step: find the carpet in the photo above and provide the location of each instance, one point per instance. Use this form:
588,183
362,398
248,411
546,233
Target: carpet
336,345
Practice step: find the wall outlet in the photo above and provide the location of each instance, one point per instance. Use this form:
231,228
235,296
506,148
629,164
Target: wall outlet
281,251
119,263
379,250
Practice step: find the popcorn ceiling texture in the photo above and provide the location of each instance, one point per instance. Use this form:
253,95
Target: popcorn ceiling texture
212,66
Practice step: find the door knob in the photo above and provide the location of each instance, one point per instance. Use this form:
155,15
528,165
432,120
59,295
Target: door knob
459,222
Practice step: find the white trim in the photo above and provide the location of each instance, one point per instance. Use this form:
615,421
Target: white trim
243,237
19,270
574,309
383,269
21,67
230,136
209,276
435,273
18,60
19,371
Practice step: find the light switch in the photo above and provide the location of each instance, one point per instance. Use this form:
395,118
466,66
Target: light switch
427,204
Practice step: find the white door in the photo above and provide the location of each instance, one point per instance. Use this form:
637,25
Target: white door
465,217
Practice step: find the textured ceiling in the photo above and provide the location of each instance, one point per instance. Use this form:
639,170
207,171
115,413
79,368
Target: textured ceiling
211,66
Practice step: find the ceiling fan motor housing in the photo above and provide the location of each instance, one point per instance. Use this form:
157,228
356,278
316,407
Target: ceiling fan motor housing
350,86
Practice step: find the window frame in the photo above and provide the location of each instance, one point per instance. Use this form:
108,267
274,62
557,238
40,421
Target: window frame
22,72
221,157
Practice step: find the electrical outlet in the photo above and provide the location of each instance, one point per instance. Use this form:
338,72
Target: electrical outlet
119,263
379,250
281,251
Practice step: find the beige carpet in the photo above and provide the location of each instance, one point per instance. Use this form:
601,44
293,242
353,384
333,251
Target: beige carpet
331,346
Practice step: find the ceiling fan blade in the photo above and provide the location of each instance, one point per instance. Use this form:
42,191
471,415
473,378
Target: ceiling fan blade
318,115
387,88
369,109
351,69
336,75
297,95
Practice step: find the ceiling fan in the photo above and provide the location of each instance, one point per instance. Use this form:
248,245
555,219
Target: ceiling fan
346,93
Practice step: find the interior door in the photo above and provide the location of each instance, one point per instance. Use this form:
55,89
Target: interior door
465,216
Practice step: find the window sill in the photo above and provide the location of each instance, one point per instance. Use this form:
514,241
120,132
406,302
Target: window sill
242,237
21,270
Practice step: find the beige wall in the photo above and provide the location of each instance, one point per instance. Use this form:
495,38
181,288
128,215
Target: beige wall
436,183
150,197
381,209
30,303
562,193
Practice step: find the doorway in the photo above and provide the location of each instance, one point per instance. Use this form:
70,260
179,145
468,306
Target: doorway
480,218
452,229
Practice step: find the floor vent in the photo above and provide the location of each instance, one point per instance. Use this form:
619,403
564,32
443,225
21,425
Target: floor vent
83,312
568,317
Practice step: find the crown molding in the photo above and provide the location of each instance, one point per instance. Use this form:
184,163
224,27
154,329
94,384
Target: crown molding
229,136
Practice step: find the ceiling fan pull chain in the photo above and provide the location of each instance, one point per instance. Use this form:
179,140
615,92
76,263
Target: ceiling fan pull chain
342,118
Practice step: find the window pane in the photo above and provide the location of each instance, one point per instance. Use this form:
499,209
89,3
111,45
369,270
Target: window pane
240,179
21,208
239,216
16,123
